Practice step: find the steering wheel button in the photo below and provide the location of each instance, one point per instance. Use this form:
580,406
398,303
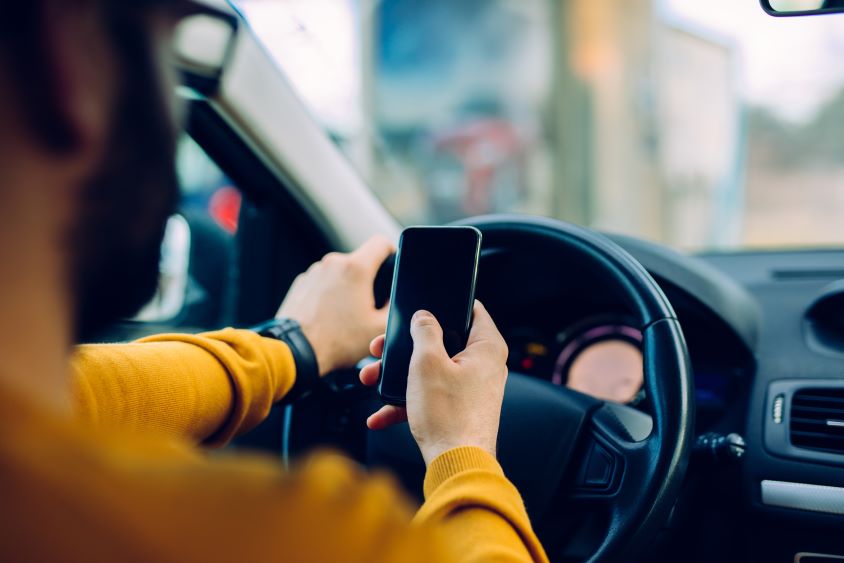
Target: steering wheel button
600,468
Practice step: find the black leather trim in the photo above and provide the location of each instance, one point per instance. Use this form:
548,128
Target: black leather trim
642,293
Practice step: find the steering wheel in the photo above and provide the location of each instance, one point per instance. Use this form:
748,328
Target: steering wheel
598,479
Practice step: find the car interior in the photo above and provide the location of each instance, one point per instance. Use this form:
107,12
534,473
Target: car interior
665,402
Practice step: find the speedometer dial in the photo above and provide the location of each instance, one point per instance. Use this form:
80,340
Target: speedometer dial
602,358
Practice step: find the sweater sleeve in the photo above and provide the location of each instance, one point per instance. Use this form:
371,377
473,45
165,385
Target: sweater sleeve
212,386
116,497
203,388
469,501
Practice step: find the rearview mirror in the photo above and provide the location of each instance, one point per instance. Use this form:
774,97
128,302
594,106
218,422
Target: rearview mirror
802,7
202,46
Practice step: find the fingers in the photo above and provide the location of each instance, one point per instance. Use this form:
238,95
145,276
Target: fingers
370,374
484,333
385,417
427,337
373,253
376,347
483,327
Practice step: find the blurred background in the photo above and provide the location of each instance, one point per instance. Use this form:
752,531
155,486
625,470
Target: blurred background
700,124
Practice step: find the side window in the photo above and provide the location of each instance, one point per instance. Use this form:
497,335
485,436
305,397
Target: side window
198,268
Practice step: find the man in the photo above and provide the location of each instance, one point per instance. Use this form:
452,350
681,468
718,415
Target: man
87,182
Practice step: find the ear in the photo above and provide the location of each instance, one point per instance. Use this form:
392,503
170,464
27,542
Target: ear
79,72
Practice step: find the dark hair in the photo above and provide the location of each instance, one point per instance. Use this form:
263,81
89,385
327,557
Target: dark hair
27,55
125,205
24,47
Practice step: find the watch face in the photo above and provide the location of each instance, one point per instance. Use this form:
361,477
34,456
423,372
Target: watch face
277,328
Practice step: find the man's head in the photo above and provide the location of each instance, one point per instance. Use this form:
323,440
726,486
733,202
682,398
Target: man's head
85,94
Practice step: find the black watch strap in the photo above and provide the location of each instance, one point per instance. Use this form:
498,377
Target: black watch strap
307,369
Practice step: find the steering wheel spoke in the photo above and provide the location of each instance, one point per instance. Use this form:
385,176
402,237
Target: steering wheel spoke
615,451
616,455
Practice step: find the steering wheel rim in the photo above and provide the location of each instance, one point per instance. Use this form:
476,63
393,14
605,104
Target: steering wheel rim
648,456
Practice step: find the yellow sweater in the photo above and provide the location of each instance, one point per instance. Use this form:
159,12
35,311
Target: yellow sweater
126,484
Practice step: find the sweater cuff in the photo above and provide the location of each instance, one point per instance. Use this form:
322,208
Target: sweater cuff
458,460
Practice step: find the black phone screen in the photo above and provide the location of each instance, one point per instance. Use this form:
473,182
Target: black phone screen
436,269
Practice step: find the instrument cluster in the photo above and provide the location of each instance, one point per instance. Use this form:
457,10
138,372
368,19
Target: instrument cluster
602,356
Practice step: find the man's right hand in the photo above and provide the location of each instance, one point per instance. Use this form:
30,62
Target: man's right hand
451,402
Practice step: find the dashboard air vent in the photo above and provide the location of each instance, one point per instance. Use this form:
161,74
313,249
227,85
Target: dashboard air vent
817,419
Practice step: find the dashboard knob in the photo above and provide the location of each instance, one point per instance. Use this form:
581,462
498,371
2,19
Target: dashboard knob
720,447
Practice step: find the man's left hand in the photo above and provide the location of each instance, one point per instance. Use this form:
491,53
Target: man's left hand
334,304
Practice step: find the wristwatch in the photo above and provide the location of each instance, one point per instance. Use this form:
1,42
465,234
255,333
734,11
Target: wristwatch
307,369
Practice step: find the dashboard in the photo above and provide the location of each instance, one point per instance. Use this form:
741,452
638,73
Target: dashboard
765,333
791,480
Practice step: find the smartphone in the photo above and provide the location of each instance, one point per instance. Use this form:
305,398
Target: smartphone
436,269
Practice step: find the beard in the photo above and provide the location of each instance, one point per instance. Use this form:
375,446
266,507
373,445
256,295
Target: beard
116,243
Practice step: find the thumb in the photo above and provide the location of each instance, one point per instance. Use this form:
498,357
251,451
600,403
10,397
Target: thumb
427,335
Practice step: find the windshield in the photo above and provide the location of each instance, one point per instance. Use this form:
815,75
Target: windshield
703,125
